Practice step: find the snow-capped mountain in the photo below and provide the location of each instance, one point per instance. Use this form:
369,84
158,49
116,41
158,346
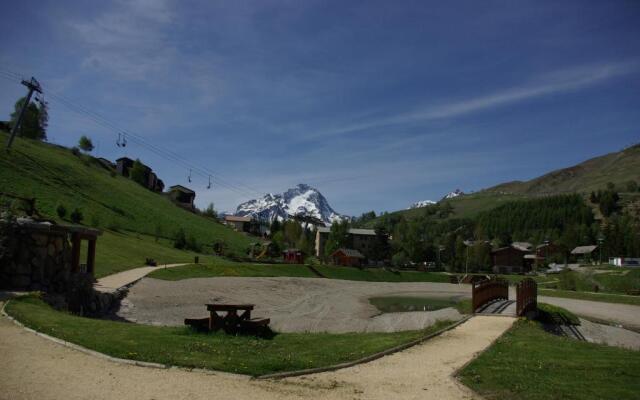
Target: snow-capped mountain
422,203
300,200
453,194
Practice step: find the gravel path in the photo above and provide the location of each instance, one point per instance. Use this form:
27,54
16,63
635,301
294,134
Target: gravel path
111,283
35,368
293,304
624,314
610,335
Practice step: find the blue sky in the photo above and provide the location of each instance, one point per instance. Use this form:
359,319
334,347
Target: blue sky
377,104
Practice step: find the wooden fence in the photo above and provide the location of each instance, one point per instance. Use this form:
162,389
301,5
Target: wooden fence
526,296
488,290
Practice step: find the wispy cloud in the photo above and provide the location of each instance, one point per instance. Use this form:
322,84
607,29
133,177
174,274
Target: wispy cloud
562,81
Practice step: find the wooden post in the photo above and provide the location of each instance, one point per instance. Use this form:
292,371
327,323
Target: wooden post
75,252
91,256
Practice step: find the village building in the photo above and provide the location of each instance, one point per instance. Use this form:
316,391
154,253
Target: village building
362,240
512,259
293,256
240,224
182,196
624,261
546,250
583,254
123,165
106,163
347,258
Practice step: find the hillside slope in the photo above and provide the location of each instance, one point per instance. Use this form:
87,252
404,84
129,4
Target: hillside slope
53,175
593,174
590,175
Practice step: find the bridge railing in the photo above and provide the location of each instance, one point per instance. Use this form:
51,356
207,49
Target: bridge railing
526,296
488,290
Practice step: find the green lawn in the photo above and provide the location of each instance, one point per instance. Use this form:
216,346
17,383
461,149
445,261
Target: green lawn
528,363
120,251
227,268
379,274
603,297
389,304
53,175
183,347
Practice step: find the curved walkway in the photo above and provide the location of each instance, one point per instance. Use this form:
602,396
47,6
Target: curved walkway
111,283
36,368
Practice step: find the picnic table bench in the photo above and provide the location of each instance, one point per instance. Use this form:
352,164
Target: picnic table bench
231,318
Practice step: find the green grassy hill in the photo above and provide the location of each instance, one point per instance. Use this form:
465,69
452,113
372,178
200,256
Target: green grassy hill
127,212
593,174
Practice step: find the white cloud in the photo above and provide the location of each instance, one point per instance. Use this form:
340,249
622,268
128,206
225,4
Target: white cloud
562,81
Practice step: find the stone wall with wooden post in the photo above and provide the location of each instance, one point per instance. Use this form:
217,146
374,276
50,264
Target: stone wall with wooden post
40,255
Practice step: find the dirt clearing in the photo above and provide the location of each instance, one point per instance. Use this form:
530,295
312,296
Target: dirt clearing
293,304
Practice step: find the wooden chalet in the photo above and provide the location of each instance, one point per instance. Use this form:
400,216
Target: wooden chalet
347,258
293,256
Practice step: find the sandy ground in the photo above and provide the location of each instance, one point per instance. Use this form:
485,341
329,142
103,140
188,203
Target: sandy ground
624,314
610,335
36,368
293,304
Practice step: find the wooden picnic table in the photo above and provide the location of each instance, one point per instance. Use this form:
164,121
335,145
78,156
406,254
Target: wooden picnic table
231,318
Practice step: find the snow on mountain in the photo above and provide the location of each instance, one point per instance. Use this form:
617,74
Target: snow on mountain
422,203
300,200
453,194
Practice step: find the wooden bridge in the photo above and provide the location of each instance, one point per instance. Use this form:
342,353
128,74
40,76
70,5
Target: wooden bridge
491,296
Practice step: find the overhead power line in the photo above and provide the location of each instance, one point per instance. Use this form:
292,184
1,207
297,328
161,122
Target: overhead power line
141,141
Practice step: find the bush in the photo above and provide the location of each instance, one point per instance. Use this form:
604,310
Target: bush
85,144
61,211
76,216
180,241
75,151
112,173
567,281
193,245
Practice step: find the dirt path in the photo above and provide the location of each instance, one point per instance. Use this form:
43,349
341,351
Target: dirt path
36,368
111,283
292,304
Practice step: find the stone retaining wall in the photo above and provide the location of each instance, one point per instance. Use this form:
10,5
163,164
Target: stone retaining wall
33,260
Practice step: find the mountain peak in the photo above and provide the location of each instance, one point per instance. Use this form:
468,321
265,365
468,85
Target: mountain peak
422,203
299,200
453,194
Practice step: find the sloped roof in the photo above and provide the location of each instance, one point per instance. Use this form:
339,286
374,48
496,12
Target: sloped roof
523,246
235,218
349,253
584,249
353,231
181,188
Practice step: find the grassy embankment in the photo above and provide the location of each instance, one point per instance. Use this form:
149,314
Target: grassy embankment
389,304
528,363
183,347
117,205
226,268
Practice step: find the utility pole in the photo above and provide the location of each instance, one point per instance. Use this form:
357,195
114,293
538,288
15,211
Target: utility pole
34,86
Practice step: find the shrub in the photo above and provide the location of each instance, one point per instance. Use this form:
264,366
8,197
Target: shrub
193,245
180,241
85,144
61,210
76,216
112,173
75,151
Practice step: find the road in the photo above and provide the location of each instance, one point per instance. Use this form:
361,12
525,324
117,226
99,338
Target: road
36,368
